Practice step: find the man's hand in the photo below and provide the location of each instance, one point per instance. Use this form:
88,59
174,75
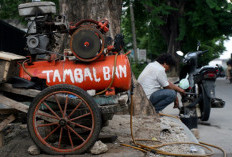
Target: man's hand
182,91
176,88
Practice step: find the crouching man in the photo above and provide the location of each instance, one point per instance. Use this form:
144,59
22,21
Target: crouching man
155,83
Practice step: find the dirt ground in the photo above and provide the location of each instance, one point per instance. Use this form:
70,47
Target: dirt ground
17,140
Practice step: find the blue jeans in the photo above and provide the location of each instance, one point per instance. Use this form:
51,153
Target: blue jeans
162,98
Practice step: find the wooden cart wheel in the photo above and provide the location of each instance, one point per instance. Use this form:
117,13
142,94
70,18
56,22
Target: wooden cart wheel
64,119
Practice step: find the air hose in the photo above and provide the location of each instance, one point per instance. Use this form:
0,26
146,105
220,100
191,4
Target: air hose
155,149
25,70
112,81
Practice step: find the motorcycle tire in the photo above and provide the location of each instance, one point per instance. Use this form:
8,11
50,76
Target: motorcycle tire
205,105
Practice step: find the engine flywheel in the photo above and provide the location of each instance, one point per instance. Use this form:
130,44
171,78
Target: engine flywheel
87,43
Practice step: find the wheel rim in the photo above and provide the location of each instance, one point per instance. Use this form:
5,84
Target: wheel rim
58,121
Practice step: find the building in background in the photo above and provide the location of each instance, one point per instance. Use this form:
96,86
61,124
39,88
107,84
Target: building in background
141,55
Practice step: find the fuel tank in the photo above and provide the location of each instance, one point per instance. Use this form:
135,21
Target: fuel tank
94,75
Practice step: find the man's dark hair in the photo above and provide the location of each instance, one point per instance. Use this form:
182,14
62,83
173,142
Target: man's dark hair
166,58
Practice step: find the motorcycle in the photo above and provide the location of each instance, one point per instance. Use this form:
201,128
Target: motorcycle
200,92
229,70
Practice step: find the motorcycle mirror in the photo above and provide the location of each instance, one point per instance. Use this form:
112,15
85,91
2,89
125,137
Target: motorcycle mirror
180,53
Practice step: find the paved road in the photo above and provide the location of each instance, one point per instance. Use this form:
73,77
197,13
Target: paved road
218,130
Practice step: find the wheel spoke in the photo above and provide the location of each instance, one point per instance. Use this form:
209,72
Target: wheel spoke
74,109
61,131
84,115
70,138
49,118
59,105
76,133
65,106
82,126
51,132
49,124
51,110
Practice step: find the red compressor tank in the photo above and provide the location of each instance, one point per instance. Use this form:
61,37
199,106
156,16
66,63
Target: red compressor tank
94,75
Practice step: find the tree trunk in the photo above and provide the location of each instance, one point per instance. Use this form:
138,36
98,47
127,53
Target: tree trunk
170,32
142,106
133,32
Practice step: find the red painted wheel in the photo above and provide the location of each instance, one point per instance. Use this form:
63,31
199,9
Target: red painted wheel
64,119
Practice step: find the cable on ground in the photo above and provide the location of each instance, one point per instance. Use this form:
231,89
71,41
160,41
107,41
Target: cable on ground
155,149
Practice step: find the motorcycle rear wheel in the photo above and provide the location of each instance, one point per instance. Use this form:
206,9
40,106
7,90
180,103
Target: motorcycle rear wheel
205,105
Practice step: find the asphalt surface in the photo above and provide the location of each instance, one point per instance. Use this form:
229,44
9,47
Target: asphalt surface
219,132
218,129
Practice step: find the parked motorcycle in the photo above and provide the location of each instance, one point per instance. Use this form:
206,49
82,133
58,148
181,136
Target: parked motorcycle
200,95
221,71
229,70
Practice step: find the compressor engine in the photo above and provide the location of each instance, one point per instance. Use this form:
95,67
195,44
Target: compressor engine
43,25
90,63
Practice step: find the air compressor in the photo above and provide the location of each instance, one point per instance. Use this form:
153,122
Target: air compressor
90,63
